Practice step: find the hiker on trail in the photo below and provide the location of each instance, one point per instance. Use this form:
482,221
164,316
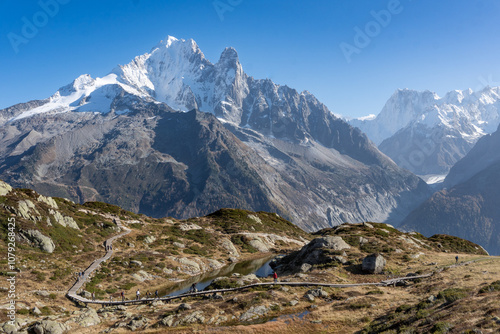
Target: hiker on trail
93,295
138,295
111,298
156,294
193,288
123,296
275,276
456,259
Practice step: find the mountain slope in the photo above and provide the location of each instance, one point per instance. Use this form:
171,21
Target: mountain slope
269,147
469,208
427,134
228,249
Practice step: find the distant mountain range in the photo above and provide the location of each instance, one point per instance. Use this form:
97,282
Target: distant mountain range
171,133
427,134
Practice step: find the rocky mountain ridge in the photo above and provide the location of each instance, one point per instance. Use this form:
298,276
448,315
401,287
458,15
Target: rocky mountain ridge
428,134
261,146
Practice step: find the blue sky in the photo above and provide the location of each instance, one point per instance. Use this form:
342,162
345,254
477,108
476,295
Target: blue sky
351,54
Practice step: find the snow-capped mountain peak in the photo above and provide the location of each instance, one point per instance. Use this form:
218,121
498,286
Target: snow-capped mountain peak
428,134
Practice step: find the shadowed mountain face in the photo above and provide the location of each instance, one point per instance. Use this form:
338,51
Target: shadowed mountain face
469,208
259,146
166,163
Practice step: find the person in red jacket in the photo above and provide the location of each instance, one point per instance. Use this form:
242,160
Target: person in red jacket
275,276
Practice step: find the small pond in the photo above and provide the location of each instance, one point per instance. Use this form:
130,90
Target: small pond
260,267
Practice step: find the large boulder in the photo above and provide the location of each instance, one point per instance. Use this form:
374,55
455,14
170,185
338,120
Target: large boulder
142,276
48,327
138,322
373,264
88,318
254,312
39,240
258,244
318,251
195,317
229,246
8,327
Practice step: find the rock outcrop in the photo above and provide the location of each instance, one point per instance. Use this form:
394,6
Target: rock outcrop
229,246
373,264
27,209
87,318
5,188
49,201
254,312
48,327
39,240
318,251
64,221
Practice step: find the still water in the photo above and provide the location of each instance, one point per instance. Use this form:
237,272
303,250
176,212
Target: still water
260,267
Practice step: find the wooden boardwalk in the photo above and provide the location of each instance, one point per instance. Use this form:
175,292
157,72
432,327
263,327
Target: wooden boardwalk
167,299
72,292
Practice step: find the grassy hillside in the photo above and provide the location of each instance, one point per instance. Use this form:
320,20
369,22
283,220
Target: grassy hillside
458,298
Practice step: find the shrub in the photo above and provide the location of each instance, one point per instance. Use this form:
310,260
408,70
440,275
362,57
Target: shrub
403,308
452,294
382,233
275,308
197,250
495,286
241,241
46,310
441,327
421,314
127,286
359,305
40,277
